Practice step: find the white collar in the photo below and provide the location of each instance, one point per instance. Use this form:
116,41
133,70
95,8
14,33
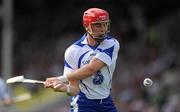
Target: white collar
85,41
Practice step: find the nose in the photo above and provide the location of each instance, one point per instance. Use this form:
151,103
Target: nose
103,27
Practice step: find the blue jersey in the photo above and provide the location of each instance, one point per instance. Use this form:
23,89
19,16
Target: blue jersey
4,93
97,86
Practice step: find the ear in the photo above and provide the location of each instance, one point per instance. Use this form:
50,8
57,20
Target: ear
85,27
89,29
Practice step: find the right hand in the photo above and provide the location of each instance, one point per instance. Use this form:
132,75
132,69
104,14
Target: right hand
8,101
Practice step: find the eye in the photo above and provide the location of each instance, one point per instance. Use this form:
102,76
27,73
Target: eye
97,24
105,24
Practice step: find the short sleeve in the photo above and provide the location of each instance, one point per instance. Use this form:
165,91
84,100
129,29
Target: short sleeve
70,61
4,93
109,55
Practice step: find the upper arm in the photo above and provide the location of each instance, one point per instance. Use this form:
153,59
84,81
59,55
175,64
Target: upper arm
4,90
70,61
70,65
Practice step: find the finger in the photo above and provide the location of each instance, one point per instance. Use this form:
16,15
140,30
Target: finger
56,81
57,86
48,85
51,79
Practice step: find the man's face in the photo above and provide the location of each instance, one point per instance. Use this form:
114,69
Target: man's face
99,29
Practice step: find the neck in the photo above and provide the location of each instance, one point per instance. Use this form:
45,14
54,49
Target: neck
91,41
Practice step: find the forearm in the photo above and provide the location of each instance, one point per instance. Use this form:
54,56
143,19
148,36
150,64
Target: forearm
72,88
81,73
71,91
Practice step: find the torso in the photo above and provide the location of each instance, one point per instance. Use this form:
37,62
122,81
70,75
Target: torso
98,85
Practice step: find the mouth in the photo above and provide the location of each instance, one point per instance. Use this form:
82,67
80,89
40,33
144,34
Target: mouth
100,36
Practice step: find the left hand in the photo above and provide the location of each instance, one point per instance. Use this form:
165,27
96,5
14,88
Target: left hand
49,82
59,86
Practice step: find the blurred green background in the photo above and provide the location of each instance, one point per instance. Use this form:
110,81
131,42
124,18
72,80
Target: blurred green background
35,34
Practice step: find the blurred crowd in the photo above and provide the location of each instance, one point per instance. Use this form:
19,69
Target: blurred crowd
149,41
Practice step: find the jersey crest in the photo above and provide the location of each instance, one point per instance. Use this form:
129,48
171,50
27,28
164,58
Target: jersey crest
98,79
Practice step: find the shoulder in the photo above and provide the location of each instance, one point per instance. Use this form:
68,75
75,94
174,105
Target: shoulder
74,50
76,45
79,43
111,41
71,50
